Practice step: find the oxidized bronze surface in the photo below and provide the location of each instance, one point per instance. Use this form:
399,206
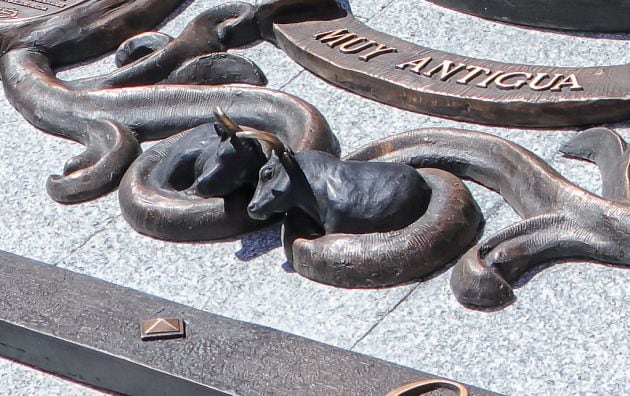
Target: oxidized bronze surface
341,224
561,220
113,113
589,15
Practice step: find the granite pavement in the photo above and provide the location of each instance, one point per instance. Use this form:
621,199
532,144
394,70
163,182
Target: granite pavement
566,333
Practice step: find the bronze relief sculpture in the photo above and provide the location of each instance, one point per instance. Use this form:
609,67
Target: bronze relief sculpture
393,211
112,114
561,220
346,223
363,224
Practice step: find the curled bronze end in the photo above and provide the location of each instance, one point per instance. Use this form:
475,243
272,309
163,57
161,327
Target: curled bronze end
422,387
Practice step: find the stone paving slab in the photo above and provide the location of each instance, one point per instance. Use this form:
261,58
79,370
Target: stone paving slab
246,279
566,334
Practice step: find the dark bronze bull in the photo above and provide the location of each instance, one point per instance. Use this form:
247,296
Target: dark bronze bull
196,185
363,224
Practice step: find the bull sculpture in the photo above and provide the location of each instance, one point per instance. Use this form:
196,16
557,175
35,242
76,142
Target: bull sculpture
196,185
372,218
339,196
233,165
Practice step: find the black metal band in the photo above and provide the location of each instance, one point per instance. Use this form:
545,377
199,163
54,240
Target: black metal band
585,15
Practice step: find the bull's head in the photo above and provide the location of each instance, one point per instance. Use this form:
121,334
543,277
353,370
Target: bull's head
235,162
282,185
273,192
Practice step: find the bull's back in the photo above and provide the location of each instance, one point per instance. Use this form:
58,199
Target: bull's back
378,196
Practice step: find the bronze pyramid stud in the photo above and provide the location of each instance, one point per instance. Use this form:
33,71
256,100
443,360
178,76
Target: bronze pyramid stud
161,329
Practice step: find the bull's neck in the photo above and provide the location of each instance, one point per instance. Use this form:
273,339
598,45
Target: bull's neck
304,193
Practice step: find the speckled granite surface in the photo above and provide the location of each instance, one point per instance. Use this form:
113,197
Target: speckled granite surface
566,334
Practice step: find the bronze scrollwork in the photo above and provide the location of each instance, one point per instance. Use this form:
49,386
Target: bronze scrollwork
561,220
152,97
393,211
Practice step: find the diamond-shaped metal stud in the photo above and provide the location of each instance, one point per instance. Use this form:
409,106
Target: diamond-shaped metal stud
162,329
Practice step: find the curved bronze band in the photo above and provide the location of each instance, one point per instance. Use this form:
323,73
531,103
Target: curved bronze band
346,52
561,220
586,15
429,385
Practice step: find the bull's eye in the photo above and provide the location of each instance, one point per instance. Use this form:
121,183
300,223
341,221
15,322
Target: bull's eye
266,174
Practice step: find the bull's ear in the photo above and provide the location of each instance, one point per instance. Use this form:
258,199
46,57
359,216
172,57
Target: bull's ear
290,164
301,188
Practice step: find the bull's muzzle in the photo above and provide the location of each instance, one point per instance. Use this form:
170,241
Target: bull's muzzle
253,210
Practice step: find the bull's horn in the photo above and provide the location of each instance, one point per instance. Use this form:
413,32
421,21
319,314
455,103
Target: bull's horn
276,144
228,124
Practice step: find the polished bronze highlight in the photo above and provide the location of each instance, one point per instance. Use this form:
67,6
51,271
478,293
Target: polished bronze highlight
429,386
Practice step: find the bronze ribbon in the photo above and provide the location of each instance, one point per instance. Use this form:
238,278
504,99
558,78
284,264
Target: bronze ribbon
346,52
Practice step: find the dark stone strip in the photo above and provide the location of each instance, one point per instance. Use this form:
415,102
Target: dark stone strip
88,330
